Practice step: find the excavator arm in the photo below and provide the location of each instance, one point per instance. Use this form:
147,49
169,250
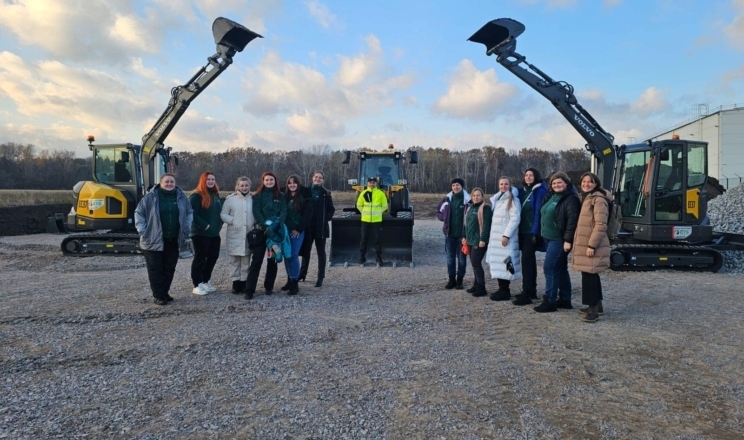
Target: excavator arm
500,38
230,38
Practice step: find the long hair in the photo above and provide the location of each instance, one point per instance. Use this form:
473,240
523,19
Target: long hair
275,191
204,192
594,178
313,175
510,193
538,177
558,175
295,199
242,179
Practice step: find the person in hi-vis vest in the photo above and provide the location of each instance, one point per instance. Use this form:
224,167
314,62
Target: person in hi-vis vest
371,203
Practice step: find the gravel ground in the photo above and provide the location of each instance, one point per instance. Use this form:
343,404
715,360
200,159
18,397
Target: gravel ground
375,353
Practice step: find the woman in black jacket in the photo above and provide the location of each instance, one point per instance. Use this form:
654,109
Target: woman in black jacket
318,231
559,216
299,214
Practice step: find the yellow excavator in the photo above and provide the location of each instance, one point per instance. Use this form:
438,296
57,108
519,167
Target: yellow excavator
103,209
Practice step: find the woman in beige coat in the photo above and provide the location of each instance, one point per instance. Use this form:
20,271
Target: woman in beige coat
591,252
237,213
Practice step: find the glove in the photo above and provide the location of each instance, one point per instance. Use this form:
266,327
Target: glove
534,239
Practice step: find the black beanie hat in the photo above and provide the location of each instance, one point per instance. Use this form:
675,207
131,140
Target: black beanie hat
458,180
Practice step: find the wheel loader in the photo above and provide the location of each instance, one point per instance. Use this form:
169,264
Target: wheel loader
103,209
397,220
660,186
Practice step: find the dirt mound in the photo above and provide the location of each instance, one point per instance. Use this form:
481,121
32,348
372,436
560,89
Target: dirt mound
23,220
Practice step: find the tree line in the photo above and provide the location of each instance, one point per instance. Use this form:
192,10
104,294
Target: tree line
26,167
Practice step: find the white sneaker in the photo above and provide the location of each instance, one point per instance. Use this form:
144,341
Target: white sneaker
200,290
209,287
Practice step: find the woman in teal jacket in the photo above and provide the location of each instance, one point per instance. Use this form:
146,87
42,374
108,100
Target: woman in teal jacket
205,232
269,204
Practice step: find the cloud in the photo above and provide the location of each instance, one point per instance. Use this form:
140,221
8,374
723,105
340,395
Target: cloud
322,14
315,124
652,100
253,16
735,30
474,94
356,70
197,132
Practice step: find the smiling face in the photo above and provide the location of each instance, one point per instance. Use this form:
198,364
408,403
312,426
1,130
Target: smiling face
318,179
504,185
292,185
244,186
168,183
211,181
529,177
269,181
558,185
371,184
456,188
587,184
477,196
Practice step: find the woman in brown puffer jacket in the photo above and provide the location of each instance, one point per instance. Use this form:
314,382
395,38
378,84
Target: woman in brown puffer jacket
591,252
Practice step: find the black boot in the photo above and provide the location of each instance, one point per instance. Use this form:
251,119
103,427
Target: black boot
473,289
522,299
451,283
480,290
287,286
248,294
563,304
236,287
293,288
319,283
303,269
378,261
501,295
545,307
459,283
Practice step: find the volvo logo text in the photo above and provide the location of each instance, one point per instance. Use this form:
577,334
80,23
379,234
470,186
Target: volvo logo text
584,126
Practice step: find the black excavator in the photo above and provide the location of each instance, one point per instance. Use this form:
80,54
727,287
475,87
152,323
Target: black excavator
103,209
658,185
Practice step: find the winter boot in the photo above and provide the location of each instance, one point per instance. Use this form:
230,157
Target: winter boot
458,284
303,269
236,287
501,295
522,299
319,283
473,289
293,288
545,307
287,286
592,315
249,294
563,304
480,290
451,283
600,309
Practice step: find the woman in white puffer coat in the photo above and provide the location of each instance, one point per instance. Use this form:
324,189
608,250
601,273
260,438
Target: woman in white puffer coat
503,249
237,213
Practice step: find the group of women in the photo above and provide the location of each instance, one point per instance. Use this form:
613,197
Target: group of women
165,218
552,217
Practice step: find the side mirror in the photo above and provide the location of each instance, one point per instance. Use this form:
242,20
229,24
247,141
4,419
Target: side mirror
347,158
664,154
413,156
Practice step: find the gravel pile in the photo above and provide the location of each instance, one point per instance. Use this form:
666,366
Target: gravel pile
726,213
375,354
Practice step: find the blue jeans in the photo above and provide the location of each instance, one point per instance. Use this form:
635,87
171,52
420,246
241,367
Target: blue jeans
557,280
292,262
453,251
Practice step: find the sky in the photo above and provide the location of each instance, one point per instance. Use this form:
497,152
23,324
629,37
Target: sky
354,74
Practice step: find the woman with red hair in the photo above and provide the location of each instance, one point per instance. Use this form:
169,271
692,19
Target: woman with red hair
268,203
205,232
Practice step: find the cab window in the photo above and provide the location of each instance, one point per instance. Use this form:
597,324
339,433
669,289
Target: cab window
113,165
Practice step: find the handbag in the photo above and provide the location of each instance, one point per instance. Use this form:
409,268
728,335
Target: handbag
256,237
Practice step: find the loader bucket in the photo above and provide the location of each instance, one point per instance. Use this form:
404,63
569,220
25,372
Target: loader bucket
397,241
496,32
232,35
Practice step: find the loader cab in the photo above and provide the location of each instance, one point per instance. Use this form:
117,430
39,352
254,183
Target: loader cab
661,190
384,167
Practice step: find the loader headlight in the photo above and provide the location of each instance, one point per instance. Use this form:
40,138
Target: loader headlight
353,182
402,182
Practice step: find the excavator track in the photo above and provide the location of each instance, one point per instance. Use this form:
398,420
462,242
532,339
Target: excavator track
110,243
644,257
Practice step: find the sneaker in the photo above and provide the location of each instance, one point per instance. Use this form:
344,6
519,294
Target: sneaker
600,309
199,290
209,287
545,307
563,304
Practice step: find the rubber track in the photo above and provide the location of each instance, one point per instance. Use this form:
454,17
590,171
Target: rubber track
92,238
659,248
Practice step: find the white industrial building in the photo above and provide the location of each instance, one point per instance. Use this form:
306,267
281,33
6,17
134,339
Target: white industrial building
723,130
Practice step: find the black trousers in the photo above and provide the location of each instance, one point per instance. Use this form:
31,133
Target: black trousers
313,236
161,266
476,261
371,231
206,253
259,253
591,289
529,264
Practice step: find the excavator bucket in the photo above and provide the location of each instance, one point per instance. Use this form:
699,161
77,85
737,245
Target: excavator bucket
497,32
397,241
232,35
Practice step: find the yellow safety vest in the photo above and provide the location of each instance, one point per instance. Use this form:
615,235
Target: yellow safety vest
372,203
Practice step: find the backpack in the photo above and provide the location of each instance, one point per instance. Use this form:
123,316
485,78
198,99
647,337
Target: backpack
614,219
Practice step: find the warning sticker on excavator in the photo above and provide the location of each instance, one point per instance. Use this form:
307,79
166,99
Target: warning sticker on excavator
607,151
680,232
